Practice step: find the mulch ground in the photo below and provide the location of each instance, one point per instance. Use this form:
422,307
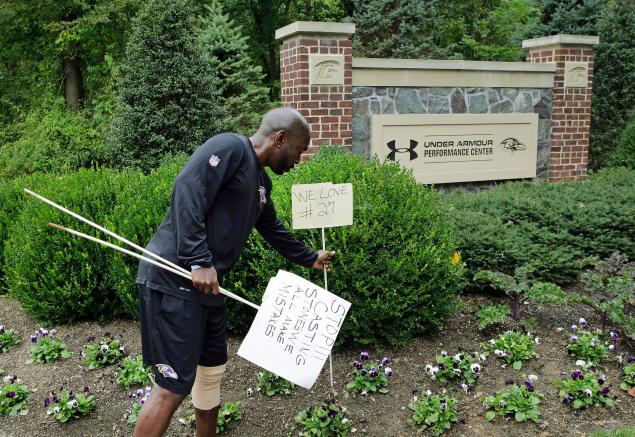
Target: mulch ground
381,415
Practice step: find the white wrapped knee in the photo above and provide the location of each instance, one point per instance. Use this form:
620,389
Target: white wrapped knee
206,390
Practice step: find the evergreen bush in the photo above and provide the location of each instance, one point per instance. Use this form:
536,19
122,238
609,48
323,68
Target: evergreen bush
168,98
241,87
625,153
547,225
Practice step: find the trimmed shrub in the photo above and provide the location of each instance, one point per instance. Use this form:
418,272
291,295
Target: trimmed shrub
547,225
392,264
141,207
57,277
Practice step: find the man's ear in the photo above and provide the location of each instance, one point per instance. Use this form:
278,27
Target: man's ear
281,136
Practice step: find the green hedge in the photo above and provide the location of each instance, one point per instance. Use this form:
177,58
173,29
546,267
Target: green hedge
57,277
550,225
393,263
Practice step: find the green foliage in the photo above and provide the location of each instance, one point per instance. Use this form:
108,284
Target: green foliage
139,398
435,413
574,17
478,30
132,372
513,347
325,420
228,413
52,140
370,376
613,80
107,351
57,277
625,152
628,379
462,367
584,390
521,401
547,225
587,346
140,208
47,348
14,396
241,87
610,291
7,340
71,406
167,91
497,36
521,288
492,314
271,384
620,432
407,274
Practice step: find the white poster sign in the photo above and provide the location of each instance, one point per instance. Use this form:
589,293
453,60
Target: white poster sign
321,205
295,329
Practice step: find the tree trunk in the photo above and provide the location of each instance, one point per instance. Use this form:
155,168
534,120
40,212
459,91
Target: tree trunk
73,89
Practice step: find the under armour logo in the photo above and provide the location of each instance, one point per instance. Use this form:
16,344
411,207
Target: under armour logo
411,150
167,371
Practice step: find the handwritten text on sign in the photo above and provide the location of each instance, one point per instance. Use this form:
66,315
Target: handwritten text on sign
295,329
322,205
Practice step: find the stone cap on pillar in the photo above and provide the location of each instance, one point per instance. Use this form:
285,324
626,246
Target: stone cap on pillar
317,28
562,39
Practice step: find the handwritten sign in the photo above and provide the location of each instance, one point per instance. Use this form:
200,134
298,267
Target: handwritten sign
321,205
295,329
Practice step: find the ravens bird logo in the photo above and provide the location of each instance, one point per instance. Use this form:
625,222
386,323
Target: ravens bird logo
167,371
512,144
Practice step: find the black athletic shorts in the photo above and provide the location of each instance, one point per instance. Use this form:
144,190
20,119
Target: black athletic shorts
179,334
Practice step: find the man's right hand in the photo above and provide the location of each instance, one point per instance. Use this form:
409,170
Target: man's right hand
206,280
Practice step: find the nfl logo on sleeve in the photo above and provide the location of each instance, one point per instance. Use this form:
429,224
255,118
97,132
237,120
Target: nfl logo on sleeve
214,160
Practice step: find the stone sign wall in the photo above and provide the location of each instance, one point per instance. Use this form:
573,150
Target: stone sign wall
410,100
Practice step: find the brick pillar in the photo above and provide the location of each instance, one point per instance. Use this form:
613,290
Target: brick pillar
571,108
316,78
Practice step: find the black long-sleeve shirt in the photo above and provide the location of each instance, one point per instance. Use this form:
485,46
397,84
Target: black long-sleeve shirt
218,198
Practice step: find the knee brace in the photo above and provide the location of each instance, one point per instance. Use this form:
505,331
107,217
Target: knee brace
206,390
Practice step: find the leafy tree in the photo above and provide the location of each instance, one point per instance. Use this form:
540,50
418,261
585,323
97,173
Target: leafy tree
241,80
45,43
480,29
168,98
613,80
261,18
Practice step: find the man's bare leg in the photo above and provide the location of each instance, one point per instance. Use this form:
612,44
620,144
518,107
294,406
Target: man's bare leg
206,422
157,412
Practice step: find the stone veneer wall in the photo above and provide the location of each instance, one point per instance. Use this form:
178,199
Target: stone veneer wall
453,100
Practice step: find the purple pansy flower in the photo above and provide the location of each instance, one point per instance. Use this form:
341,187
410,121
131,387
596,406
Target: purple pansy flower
602,379
605,390
363,356
10,394
583,322
568,399
577,374
363,372
385,361
630,359
574,328
332,413
388,371
373,372
529,385
47,402
34,339
614,335
99,356
364,393
574,339
442,366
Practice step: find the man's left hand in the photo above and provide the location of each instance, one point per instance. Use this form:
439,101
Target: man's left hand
324,260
